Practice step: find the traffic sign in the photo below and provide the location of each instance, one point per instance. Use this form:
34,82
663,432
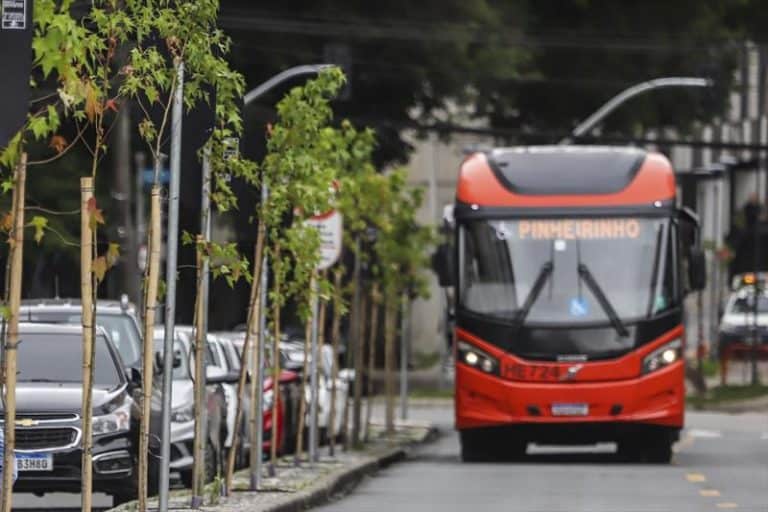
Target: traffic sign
16,63
330,227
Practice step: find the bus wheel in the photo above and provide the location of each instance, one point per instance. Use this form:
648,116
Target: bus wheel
475,447
658,449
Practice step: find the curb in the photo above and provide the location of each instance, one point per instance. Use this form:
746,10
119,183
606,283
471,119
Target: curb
345,480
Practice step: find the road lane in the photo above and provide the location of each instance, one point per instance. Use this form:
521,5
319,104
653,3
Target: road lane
721,463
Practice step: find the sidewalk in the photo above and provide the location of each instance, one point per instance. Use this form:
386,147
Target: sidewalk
297,488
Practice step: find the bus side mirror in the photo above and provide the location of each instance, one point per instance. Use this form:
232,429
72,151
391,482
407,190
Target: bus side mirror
697,269
443,265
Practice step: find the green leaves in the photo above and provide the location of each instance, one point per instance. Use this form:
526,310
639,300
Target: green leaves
39,223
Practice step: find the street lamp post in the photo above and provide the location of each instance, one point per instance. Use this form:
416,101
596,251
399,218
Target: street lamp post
250,97
659,83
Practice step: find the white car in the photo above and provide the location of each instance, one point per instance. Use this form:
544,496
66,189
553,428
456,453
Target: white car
294,353
738,321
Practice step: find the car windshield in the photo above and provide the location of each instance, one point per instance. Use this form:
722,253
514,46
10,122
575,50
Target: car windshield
58,358
180,372
747,305
630,261
121,328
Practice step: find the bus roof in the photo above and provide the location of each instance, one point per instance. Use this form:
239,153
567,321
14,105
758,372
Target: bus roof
565,176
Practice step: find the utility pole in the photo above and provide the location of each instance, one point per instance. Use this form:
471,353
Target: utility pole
170,278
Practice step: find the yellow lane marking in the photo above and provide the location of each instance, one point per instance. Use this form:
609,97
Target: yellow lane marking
709,493
727,504
696,477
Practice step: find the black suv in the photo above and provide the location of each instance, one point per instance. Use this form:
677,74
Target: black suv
49,403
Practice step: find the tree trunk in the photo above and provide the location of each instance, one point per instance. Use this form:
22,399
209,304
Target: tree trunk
335,333
198,470
150,303
390,332
359,371
303,393
278,264
86,295
252,320
375,303
14,300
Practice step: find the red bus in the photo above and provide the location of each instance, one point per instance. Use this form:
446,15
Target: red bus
571,266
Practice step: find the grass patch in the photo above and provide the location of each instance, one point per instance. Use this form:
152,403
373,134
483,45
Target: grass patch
432,393
710,367
723,394
425,360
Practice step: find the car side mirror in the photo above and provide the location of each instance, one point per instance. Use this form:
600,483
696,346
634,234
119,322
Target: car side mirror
443,265
697,269
216,375
160,361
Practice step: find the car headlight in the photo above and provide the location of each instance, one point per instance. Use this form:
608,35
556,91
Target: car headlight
663,356
268,399
183,414
476,358
119,420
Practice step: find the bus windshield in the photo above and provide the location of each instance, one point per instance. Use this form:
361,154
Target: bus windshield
629,261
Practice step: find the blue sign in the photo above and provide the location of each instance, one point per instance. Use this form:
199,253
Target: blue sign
579,306
149,176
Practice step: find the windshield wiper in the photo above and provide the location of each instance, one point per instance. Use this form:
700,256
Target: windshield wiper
538,285
585,274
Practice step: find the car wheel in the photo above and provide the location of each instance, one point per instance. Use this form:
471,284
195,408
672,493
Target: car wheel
211,463
121,498
474,447
658,449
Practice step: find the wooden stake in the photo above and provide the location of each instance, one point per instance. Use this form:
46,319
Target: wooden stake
256,426
276,357
251,322
390,332
358,335
198,469
150,305
335,333
86,297
14,300
303,392
375,303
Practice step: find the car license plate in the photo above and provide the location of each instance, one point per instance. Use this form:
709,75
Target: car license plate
34,462
570,409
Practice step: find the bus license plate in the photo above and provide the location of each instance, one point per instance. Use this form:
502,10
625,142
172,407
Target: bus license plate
34,462
570,409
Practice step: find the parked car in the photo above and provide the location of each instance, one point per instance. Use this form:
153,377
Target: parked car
48,417
121,323
183,403
294,355
287,425
118,318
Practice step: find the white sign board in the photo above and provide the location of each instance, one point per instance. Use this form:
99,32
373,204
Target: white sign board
330,227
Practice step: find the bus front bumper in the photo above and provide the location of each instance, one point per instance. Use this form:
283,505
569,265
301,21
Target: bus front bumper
656,399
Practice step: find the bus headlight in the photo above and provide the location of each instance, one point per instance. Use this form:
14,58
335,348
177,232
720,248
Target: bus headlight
663,356
476,358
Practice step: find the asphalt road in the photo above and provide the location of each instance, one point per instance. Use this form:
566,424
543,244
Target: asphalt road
721,463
